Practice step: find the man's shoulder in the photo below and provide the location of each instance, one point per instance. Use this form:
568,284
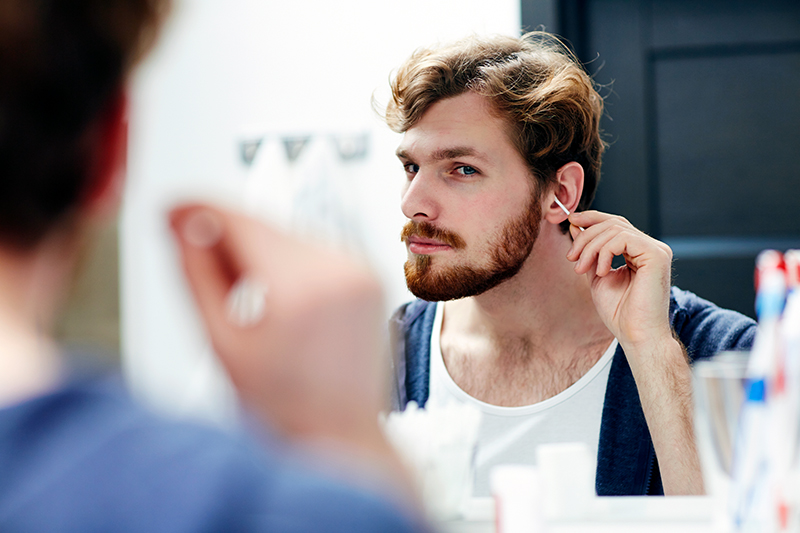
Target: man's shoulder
705,328
87,456
688,301
97,422
686,305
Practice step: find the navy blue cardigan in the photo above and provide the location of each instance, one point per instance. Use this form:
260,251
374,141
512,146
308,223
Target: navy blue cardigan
626,460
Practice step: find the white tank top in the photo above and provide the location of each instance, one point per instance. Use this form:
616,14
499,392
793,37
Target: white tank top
511,434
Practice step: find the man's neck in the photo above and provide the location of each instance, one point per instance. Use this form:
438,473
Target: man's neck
30,285
530,337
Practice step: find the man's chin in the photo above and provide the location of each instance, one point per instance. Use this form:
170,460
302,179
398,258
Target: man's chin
432,296
427,285
454,283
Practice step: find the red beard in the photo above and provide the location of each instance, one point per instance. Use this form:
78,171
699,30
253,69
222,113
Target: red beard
509,251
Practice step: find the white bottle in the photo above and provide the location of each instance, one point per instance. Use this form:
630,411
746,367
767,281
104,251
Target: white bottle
753,492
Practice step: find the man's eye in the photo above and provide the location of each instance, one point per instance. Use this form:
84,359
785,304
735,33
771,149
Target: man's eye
466,170
411,168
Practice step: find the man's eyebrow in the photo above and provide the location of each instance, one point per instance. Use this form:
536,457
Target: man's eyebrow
447,153
456,152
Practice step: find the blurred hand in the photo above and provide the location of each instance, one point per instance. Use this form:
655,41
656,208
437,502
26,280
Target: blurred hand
311,365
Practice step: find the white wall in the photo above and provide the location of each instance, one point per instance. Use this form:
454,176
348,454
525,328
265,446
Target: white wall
228,69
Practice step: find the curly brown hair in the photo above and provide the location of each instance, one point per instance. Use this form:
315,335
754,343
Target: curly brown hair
533,82
62,65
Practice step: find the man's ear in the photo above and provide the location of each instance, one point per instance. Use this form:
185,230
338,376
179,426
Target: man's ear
104,185
568,190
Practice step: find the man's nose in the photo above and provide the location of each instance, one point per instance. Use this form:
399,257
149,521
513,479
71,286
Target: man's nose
420,199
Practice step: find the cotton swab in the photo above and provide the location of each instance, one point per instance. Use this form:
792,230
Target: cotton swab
565,210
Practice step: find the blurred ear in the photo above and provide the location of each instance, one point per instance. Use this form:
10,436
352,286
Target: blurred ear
103,193
568,190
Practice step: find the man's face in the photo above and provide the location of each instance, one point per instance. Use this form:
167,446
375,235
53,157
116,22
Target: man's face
473,214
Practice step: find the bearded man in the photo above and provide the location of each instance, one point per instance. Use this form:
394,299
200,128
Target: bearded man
520,312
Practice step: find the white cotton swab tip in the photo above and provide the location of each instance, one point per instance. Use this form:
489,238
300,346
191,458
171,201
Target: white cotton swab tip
564,209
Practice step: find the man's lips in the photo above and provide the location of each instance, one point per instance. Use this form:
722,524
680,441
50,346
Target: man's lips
423,246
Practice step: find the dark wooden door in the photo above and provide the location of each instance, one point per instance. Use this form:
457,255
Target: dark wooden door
703,104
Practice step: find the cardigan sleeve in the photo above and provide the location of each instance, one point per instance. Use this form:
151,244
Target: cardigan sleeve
706,329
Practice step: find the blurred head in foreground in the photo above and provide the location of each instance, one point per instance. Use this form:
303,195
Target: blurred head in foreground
63,71
63,66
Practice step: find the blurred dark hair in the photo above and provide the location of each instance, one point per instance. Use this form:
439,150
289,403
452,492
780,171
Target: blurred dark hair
62,66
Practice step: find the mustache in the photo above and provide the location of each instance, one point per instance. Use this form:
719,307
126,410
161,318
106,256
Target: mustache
427,230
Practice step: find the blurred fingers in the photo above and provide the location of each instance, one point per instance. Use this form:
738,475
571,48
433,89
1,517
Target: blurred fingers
201,235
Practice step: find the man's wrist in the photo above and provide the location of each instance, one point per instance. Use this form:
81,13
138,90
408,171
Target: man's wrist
657,352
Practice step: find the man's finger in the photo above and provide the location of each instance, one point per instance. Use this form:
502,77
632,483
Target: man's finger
589,218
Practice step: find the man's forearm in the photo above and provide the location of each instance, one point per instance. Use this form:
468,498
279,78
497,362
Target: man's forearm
664,380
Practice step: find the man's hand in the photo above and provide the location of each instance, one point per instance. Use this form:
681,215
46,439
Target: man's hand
311,366
633,302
